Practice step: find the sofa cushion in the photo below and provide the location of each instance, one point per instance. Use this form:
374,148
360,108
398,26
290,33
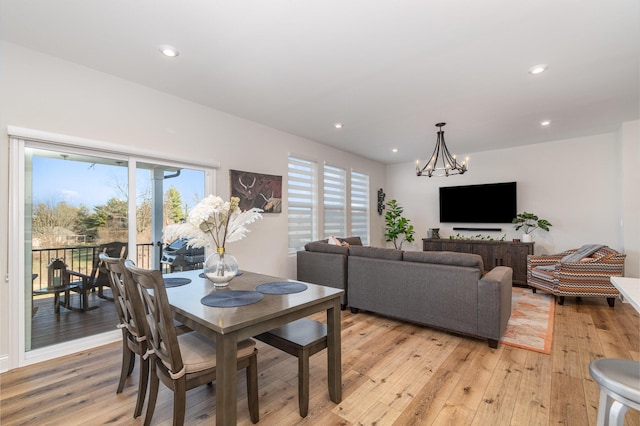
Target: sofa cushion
376,252
324,247
445,258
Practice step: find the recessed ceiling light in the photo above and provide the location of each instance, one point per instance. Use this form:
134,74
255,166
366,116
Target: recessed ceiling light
545,122
394,150
537,69
169,51
338,125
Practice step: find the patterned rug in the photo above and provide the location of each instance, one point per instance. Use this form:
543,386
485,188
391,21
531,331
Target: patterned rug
531,323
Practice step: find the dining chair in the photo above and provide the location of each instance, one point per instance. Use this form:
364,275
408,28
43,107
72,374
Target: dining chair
301,338
187,361
134,341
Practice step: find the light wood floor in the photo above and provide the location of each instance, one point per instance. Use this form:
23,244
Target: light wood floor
393,373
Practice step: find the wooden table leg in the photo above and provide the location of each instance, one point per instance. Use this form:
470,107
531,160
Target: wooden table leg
303,382
334,352
226,382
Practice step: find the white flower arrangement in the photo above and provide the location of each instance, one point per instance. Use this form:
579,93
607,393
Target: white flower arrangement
213,221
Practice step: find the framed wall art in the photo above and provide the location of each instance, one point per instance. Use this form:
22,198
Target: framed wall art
257,190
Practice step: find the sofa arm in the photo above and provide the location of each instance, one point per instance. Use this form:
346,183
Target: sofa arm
533,260
328,269
494,302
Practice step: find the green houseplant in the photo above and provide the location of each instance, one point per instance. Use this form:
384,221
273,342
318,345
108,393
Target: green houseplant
397,228
529,222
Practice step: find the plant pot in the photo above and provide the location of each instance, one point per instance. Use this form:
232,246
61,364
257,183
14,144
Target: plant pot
526,238
220,268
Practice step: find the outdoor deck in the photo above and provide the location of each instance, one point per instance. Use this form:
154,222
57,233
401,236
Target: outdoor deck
46,330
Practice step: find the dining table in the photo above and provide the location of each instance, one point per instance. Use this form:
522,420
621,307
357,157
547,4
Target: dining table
229,325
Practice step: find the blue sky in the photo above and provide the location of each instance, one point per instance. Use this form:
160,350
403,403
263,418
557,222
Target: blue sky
90,184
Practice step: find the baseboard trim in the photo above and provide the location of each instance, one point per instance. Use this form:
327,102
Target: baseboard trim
4,363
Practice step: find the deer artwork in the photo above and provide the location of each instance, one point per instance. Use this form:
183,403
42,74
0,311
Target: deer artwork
247,186
271,195
271,204
257,190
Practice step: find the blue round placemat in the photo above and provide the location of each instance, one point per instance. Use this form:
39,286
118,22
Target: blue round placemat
175,281
201,275
281,287
231,298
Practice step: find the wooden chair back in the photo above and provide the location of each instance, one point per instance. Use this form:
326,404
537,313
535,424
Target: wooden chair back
160,328
130,313
126,297
99,273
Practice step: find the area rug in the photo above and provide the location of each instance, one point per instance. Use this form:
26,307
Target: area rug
531,323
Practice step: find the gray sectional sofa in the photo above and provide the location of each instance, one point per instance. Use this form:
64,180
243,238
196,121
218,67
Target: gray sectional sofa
440,289
326,264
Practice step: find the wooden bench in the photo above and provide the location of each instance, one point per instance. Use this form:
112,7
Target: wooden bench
301,338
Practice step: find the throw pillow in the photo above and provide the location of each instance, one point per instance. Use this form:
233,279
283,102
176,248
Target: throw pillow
334,241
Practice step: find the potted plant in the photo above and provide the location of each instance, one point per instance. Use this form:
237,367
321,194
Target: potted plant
529,222
397,227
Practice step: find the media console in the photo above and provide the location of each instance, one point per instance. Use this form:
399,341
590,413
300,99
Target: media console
493,253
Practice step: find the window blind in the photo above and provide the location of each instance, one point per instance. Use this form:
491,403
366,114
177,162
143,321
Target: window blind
360,206
301,182
335,201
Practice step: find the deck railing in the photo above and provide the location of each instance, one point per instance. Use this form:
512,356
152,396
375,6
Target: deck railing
80,259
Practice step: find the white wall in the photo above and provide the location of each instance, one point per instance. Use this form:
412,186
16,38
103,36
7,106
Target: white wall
44,93
577,184
629,136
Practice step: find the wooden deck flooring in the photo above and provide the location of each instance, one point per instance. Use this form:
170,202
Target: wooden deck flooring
46,330
394,373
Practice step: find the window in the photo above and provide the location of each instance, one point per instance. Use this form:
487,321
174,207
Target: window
360,206
335,202
301,212
345,208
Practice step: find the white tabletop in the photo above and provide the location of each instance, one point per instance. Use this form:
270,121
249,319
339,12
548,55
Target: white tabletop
629,288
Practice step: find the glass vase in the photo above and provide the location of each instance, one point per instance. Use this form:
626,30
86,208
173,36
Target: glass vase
220,268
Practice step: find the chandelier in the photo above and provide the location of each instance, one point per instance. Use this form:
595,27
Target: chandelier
448,164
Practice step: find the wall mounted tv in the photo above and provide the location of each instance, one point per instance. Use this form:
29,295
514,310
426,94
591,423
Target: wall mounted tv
488,203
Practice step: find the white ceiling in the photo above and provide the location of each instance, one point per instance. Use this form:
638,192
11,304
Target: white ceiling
389,70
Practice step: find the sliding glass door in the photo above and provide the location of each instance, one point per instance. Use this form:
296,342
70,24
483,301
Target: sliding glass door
165,196
79,203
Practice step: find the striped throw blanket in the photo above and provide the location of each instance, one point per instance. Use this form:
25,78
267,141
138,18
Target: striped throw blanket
584,251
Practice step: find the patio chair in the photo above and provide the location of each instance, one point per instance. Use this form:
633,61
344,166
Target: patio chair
589,276
99,276
186,361
58,281
134,342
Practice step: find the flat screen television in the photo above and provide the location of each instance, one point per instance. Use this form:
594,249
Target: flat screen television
488,203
